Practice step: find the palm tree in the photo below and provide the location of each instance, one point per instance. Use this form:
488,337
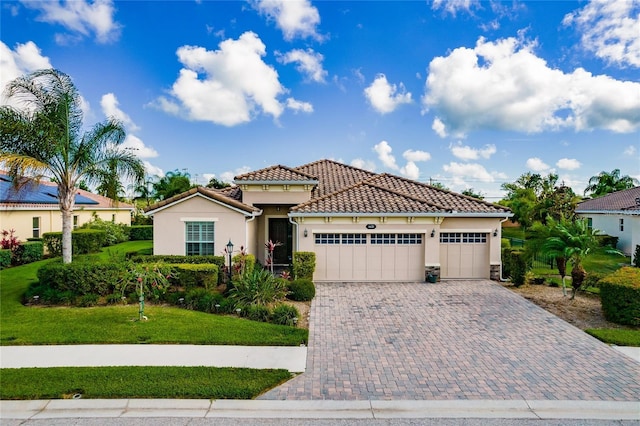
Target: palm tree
605,183
46,138
538,236
573,241
172,183
110,185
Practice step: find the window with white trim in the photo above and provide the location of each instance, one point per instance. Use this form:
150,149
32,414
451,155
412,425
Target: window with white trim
409,238
199,238
327,238
36,227
621,225
589,223
75,222
354,238
463,237
383,238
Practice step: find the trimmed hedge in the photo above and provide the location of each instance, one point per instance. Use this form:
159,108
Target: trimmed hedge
301,290
53,243
607,240
82,278
195,275
515,265
249,263
620,296
28,252
166,258
5,258
304,264
140,232
83,241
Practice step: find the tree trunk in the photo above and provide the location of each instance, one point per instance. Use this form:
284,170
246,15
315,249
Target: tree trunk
561,263
66,207
578,274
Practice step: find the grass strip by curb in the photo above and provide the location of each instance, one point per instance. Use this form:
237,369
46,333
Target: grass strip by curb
137,382
616,337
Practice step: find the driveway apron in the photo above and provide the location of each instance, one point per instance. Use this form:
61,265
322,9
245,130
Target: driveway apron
450,340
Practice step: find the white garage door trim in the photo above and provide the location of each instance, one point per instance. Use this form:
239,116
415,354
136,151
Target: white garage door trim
464,254
354,256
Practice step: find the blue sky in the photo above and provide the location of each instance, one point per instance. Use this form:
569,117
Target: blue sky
468,93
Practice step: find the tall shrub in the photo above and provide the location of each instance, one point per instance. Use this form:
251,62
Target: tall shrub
620,296
304,264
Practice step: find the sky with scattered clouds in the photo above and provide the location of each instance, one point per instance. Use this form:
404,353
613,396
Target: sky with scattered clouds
468,93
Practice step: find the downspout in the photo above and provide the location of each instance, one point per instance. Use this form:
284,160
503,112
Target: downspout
246,227
294,223
501,278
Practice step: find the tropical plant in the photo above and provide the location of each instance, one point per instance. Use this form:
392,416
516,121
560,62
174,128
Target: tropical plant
271,246
46,138
109,182
605,183
172,183
469,192
217,184
258,287
573,241
538,235
148,279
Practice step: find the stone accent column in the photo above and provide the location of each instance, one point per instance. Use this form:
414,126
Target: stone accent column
494,272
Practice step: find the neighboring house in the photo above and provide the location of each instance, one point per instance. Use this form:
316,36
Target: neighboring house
34,210
362,226
616,214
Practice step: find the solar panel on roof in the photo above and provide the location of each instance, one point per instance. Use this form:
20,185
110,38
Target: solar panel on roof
34,194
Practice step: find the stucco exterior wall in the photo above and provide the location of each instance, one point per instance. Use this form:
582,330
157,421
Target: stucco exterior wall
275,194
610,224
169,226
51,219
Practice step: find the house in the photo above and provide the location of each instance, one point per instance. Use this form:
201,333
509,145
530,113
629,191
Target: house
616,214
362,226
33,209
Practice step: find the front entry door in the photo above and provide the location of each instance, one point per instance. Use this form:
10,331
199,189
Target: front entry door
280,231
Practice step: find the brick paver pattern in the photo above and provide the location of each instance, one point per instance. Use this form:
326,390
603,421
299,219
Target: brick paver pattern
451,340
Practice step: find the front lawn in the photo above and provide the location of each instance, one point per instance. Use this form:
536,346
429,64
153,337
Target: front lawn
616,337
21,325
138,382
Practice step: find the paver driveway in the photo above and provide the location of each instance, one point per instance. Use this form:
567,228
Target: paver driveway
451,340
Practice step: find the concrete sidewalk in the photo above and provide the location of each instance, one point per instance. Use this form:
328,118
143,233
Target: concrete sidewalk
292,358
319,409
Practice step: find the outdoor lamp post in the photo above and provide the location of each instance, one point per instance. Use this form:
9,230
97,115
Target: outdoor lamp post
229,252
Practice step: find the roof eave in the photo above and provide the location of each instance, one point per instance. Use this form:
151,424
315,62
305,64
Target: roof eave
404,214
275,182
625,212
253,212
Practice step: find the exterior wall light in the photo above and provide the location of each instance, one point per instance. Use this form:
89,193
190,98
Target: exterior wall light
433,233
495,232
305,233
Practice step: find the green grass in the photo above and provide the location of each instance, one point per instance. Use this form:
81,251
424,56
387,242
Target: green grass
616,336
138,382
20,325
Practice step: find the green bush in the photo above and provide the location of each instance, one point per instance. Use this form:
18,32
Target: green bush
257,313
620,296
301,290
243,263
284,315
257,288
506,261
304,264
82,278
505,243
114,232
88,300
5,258
53,243
28,252
201,299
140,232
518,267
166,258
592,280
607,240
88,240
636,256
195,275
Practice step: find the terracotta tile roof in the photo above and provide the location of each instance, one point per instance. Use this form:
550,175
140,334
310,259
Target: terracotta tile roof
365,197
207,192
233,192
444,199
275,173
629,200
333,176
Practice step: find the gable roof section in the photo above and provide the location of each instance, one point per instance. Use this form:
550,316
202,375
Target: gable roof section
211,194
365,198
44,195
444,199
627,201
276,174
333,176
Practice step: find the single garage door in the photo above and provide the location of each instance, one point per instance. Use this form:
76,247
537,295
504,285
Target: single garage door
464,255
369,257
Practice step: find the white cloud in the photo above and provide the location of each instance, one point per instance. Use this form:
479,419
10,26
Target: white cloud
110,108
383,97
80,17
309,63
465,152
610,29
476,172
152,170
229,175
502,85
296,18
411,155
568,164
439,127
141,150
24,59
227,86
364,164
454,6
630,150
537,165
383,149
410,170
299,106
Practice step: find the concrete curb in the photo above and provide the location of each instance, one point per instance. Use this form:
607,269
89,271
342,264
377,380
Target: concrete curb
319,409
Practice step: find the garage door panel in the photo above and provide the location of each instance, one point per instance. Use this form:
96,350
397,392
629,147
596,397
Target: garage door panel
464,255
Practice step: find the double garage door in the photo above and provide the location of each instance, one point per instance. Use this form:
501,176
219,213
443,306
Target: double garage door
464,255
369,257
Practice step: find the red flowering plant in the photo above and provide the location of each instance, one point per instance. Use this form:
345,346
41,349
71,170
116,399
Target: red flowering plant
9,240
148,279
271,246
